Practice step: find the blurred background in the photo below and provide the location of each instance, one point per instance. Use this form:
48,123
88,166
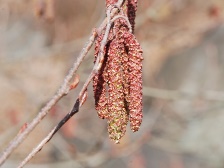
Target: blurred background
183,90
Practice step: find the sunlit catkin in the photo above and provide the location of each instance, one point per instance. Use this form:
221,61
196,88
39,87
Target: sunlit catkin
118,117
118,84
135,78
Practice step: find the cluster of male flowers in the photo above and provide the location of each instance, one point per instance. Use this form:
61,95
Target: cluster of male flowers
118,84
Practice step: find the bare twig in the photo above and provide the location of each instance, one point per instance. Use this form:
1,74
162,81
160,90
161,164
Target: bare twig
78,103
64,89
51,134
125,18
100,56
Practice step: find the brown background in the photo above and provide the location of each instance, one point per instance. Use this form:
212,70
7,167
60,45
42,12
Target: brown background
183,74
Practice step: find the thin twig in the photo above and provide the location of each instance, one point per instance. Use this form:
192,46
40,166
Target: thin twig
78,103
125,18
64,89
50,135
100,56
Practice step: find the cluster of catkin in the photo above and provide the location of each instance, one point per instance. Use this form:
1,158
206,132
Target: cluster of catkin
118,85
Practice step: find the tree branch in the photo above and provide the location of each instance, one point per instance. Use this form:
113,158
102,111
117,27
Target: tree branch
63,90
80,100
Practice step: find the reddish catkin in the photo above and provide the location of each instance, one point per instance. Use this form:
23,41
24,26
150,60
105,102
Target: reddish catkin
99,84
131,12
118,84
125,68
135,78
118,117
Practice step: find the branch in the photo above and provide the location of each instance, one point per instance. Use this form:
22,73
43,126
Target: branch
64,89
82,95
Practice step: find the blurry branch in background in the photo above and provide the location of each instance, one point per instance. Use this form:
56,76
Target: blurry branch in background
63,90
181,95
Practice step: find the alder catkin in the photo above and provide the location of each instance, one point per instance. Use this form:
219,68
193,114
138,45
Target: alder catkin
135,78
131,12
99,84
118,117
118,84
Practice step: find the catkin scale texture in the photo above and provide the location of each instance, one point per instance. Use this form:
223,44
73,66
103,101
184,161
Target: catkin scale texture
118,84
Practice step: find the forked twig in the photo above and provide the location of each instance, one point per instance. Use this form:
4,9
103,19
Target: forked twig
79,102
125,18
63,90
